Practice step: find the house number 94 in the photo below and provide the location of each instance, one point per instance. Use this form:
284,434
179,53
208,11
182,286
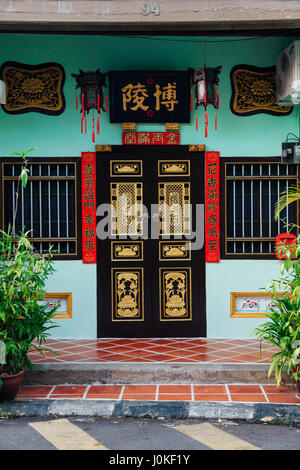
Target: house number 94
150,9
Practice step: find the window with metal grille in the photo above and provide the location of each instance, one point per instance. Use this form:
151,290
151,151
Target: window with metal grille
47,207
251,190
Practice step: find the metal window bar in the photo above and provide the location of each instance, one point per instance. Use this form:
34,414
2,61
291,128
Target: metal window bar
66,239
261,241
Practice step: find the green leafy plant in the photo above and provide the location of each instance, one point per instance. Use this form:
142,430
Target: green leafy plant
25,321
283,328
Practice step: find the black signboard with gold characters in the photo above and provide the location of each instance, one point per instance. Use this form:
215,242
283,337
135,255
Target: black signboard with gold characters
150,97
33,88
254,91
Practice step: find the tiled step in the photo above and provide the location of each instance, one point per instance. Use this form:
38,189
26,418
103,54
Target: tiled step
238,393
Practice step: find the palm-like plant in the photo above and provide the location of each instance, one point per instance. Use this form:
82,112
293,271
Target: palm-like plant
286,198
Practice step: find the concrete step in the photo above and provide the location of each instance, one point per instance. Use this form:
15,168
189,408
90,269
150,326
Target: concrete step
147,373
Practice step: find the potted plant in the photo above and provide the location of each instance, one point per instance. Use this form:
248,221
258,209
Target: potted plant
24,321
283,328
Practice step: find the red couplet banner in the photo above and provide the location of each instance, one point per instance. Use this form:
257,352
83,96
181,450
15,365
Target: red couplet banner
212,209
88,195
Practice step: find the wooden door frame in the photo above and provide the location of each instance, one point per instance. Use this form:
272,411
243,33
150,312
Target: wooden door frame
178,151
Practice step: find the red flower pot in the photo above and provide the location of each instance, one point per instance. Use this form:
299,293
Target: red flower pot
10,386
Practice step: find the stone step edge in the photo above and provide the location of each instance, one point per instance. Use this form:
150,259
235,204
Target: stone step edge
149,409
134,373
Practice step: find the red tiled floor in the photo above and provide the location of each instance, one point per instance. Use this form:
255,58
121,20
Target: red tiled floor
138,396
132,389
174,388
284,398
209,392
252,397
34,391
155,350
282,389
174,396
244,389
68,391
104,391
210,397
200,389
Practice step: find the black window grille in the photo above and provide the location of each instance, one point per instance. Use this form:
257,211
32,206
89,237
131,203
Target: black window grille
47,207
251,190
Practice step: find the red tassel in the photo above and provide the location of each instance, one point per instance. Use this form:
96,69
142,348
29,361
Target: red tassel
85,126
192,103
218,100
196,122
106,104
82,125
98,124
205,96
98,104
93,135
82,103
206,123
216,120
76,101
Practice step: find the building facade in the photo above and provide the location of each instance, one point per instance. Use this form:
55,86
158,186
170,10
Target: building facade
251,177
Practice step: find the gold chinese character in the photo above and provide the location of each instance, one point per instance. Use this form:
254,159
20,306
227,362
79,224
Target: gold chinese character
130,138
135,94
167,97
144,138
158,137
172,139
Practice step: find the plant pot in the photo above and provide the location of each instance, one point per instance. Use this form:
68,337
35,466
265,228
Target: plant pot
10,386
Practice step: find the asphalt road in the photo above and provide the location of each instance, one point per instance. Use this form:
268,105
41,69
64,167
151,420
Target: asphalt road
142,434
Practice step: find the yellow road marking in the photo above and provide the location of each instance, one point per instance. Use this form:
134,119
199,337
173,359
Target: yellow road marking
213,437
66,436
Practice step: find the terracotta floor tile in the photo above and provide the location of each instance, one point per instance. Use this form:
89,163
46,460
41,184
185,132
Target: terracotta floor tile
281,389
159,357
138,396
72,391
39,391
154,350
175,396
244,389
283,398
209,389
139,389
210,397
252,397
103,390
174,388
161,349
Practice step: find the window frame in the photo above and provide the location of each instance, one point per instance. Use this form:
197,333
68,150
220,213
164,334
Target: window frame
223,202
77,200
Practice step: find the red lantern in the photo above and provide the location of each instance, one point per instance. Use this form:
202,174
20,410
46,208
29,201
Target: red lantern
282,241
206,80
91,96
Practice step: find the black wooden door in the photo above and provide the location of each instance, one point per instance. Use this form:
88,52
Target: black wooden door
150,283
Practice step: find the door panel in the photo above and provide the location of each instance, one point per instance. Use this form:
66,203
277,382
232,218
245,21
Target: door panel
150,287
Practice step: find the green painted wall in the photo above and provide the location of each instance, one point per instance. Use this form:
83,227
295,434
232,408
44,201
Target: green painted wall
259,135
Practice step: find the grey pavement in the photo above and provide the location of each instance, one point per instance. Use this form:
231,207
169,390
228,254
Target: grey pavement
148,434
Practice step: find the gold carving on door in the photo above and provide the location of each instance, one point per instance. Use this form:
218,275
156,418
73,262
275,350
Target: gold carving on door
127,251
126,168
127,294
175,294
127,210
172,251
174,208
173,167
